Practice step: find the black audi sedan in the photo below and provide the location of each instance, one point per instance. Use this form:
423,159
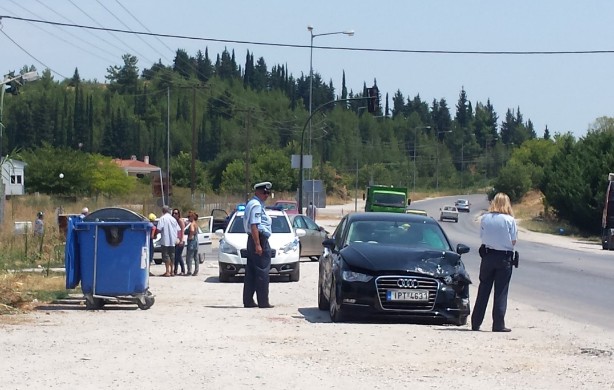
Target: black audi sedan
393,264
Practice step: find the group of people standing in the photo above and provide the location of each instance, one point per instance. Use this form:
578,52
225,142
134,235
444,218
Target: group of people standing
175,235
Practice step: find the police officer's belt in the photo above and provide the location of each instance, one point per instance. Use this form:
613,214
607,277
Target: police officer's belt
490,250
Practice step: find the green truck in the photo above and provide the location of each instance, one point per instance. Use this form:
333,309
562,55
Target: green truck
384,198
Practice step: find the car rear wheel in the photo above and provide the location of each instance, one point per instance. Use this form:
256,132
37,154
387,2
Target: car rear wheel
296,274
201,258
334,309
223,277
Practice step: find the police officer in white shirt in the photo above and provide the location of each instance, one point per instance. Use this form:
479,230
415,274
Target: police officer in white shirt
499,233
257,224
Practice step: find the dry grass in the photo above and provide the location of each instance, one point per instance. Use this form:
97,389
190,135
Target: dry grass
533,216
531,206
19,290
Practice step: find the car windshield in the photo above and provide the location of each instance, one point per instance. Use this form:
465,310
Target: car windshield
287,206
416,235
279,224
389,199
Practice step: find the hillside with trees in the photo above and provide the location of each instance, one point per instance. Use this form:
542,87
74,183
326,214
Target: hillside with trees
241,121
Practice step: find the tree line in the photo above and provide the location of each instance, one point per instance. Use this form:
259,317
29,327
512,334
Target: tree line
242,122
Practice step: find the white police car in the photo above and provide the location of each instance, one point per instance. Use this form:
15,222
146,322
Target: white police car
284,242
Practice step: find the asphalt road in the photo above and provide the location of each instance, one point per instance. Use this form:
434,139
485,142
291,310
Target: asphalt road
575,283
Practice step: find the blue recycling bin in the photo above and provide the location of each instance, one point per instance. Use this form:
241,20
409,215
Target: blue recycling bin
108,252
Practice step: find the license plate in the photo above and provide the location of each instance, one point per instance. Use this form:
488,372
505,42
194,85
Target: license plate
407,295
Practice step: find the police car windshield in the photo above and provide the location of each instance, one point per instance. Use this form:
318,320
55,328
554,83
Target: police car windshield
279,224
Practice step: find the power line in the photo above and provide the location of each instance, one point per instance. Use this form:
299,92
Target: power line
64,40
289,45
145,27
97,37
35,59
110,31
125,25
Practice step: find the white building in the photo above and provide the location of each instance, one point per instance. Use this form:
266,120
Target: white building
13,177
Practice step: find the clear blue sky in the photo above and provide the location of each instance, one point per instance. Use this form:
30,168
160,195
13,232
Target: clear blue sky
565,92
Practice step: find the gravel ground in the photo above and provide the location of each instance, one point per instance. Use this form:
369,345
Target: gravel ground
198,335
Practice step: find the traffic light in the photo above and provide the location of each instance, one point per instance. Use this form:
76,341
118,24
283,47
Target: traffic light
373,102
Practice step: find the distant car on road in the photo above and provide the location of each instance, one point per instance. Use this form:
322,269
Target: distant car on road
393,265
415,211
462,205
289,206
448,212
311,243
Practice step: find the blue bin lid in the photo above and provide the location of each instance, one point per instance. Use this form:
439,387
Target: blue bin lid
114,214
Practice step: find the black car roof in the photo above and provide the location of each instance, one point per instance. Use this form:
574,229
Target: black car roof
383,216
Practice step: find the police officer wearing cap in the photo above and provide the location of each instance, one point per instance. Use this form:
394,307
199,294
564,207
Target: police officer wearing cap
257,224
499,233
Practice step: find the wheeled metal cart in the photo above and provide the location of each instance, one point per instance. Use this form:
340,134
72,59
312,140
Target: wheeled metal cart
108,253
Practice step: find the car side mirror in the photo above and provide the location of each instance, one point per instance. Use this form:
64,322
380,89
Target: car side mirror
329,243
462,248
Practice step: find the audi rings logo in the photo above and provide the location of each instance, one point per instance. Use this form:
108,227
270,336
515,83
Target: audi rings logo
407,283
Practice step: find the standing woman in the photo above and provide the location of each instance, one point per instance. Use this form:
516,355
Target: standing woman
499,233
192,254
179,243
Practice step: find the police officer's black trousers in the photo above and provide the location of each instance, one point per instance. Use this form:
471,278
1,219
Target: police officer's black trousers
257,273
496,268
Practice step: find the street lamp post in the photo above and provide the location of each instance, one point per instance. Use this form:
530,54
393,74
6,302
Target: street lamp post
416,141
357,153
8,79
15,82
300,169
312,35
437,167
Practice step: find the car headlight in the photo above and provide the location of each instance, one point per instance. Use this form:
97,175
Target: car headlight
350,276
227,248
291,246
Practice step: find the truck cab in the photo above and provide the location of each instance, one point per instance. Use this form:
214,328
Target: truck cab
387,199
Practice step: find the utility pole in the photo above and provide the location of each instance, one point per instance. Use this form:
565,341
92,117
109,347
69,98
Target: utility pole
462,164
193,187
168,146
247,156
